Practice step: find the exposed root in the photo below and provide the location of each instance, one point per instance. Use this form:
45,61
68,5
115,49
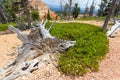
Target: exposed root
39,48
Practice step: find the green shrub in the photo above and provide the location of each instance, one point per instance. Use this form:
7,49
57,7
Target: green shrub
4,27
91,46
48,15
35,15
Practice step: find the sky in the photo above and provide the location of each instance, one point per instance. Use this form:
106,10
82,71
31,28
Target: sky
82,3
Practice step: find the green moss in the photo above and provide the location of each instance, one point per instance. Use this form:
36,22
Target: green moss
91,46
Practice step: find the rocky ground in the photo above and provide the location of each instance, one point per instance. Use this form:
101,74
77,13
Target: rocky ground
109,67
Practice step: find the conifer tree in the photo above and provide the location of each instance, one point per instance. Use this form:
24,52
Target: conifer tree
92,7
76,11
48,15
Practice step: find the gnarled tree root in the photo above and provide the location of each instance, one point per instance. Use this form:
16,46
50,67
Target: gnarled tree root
39,48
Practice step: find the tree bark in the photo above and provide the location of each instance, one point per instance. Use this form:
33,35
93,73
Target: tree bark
111,11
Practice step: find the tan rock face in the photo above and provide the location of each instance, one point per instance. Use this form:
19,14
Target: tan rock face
42,8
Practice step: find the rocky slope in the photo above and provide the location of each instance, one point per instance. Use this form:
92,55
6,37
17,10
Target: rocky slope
42,8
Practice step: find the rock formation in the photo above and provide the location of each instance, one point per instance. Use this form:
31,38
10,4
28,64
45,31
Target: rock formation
42,8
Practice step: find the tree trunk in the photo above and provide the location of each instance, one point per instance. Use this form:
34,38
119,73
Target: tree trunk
111,11
3,15
38,50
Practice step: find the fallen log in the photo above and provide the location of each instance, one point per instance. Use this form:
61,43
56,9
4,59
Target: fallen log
116,27
39,48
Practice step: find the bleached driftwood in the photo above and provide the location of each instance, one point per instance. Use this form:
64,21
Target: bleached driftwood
114,29
38,49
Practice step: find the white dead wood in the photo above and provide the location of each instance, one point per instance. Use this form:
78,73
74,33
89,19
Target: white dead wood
114,29
45,32
39,49
52,25
21,35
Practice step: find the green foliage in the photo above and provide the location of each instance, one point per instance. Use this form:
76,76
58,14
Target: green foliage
8,8
48,15
117,10
4,27
107,9
102,7
91,46
66,7
75,11
65,11
35,15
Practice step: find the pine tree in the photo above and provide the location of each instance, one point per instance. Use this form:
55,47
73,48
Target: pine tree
8,9
35,15
107,8
111,11
117,10
92,7
48,15
102,7
76,11
65,12
86,10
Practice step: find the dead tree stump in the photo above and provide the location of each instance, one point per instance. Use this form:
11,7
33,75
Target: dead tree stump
39,48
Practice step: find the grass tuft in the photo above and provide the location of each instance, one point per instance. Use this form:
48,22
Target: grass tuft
4,27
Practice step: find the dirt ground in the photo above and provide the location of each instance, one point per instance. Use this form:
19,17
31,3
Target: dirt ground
109,67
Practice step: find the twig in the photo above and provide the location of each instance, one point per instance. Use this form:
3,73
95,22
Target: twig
52,25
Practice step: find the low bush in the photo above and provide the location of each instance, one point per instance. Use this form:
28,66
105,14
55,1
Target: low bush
35,15
4,27
91,46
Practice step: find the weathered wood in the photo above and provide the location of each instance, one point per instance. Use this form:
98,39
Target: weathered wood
52,25
3,14
45,33
111,11
39,48
114,29
21,35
